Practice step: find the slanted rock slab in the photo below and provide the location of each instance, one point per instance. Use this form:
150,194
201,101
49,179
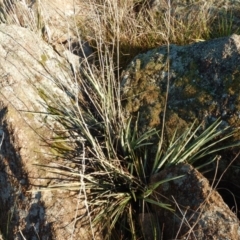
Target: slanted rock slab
28,72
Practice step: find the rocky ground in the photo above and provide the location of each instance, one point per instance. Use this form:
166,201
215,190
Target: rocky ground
204,85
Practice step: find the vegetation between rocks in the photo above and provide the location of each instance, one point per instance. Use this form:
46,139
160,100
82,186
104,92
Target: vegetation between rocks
111,160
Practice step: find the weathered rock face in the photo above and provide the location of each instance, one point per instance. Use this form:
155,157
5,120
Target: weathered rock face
200,212
204,83
28,68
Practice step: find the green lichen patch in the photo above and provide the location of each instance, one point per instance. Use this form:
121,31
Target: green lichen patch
44,59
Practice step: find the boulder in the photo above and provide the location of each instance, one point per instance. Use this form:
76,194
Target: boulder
29,68
200,212
60,20
204,84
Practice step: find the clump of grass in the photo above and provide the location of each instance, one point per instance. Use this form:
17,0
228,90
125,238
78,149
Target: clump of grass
113,159
135,31
224,23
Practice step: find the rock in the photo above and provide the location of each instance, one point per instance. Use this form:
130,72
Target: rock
56,20
204,84
28,68
60,20
200,212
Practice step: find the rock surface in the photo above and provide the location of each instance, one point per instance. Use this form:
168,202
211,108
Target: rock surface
28,68
204,84
200,212
56,20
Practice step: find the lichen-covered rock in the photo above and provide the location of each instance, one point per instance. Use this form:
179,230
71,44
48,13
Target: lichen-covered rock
204,84
200,212
204,81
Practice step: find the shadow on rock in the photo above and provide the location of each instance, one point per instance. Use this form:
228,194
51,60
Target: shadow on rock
21,213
